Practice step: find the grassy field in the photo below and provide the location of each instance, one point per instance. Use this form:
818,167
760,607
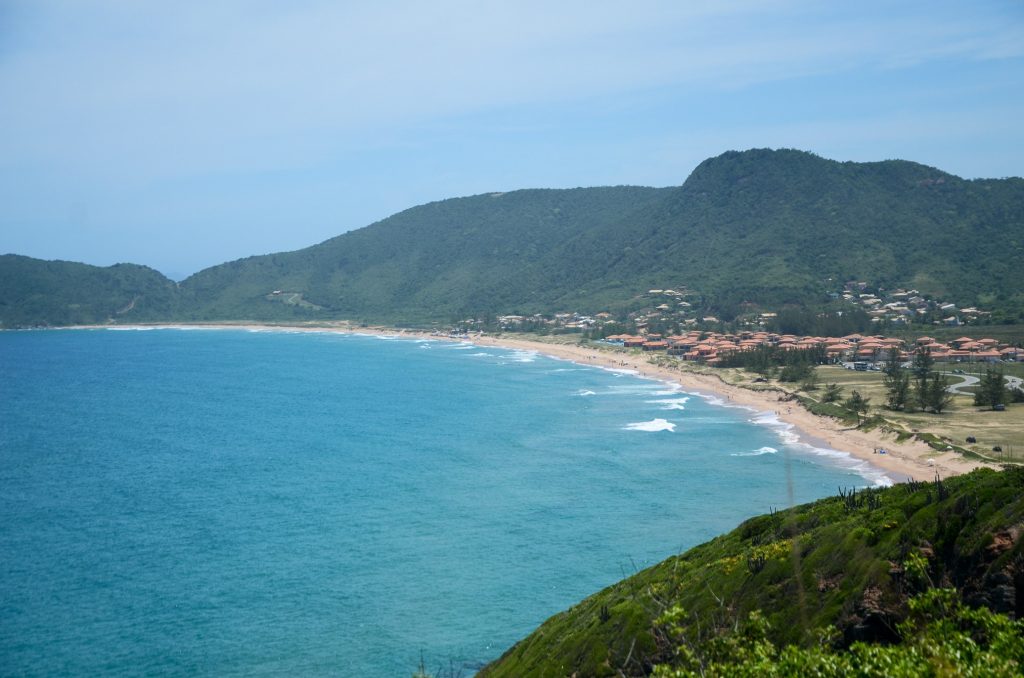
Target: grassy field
962,419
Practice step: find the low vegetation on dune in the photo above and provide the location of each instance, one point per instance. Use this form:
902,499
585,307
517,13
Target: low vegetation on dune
924,578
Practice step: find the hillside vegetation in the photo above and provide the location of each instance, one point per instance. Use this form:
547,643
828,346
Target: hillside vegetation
443,260
35,292
761,226
879,582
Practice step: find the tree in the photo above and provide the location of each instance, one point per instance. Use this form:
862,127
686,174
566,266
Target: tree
897,382
897,390
810,382
922,371
937,397
923,363
857,404
760,361
833,392
796,372
991,390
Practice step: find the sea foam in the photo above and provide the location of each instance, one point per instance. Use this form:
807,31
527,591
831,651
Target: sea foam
756,453
521,356
671,403
653,425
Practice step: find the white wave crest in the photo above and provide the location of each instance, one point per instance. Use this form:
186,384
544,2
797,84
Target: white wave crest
671,403
619,372
756,453
788,435
584,392
653,425
521,356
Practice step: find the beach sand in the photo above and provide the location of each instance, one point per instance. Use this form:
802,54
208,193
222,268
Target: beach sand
902,460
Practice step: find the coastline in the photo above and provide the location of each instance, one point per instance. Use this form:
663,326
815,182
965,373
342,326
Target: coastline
902,461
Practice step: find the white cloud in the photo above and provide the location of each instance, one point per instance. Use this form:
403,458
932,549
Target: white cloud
162,88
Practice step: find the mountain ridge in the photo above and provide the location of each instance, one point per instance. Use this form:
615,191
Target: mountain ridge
767,227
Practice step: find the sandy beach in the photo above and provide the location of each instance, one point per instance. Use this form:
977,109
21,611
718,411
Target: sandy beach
902,460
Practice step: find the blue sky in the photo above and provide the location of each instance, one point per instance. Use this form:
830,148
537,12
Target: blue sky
184,134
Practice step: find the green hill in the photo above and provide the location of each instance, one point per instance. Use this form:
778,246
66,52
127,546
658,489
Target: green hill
486,253
773,225
53,293
858,572
762,226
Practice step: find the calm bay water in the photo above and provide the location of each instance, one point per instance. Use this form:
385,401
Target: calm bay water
232,502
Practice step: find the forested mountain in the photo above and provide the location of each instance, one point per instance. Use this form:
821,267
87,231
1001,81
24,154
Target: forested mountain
762,226
36,292
486,253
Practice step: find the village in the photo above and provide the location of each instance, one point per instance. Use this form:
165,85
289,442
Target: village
711,347
694,336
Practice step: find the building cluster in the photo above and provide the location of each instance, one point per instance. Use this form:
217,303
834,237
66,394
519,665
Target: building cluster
710,347
563,321
902,307
966,349
669,307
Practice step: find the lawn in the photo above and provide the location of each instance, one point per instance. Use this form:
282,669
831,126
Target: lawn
962,419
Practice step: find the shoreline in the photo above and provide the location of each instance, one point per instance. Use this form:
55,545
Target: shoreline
902,461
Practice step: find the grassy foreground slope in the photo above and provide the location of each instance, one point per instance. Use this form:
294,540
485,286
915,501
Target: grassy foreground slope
843,569
34,292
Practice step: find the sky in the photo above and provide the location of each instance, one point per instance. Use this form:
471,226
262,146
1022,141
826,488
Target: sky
184,134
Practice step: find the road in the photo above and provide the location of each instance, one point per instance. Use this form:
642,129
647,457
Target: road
968,380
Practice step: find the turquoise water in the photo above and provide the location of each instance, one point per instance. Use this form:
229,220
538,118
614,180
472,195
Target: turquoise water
232,502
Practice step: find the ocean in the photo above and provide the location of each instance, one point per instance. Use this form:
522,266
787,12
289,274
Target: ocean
232,502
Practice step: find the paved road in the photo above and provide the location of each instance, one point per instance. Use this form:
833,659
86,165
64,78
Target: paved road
968,380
